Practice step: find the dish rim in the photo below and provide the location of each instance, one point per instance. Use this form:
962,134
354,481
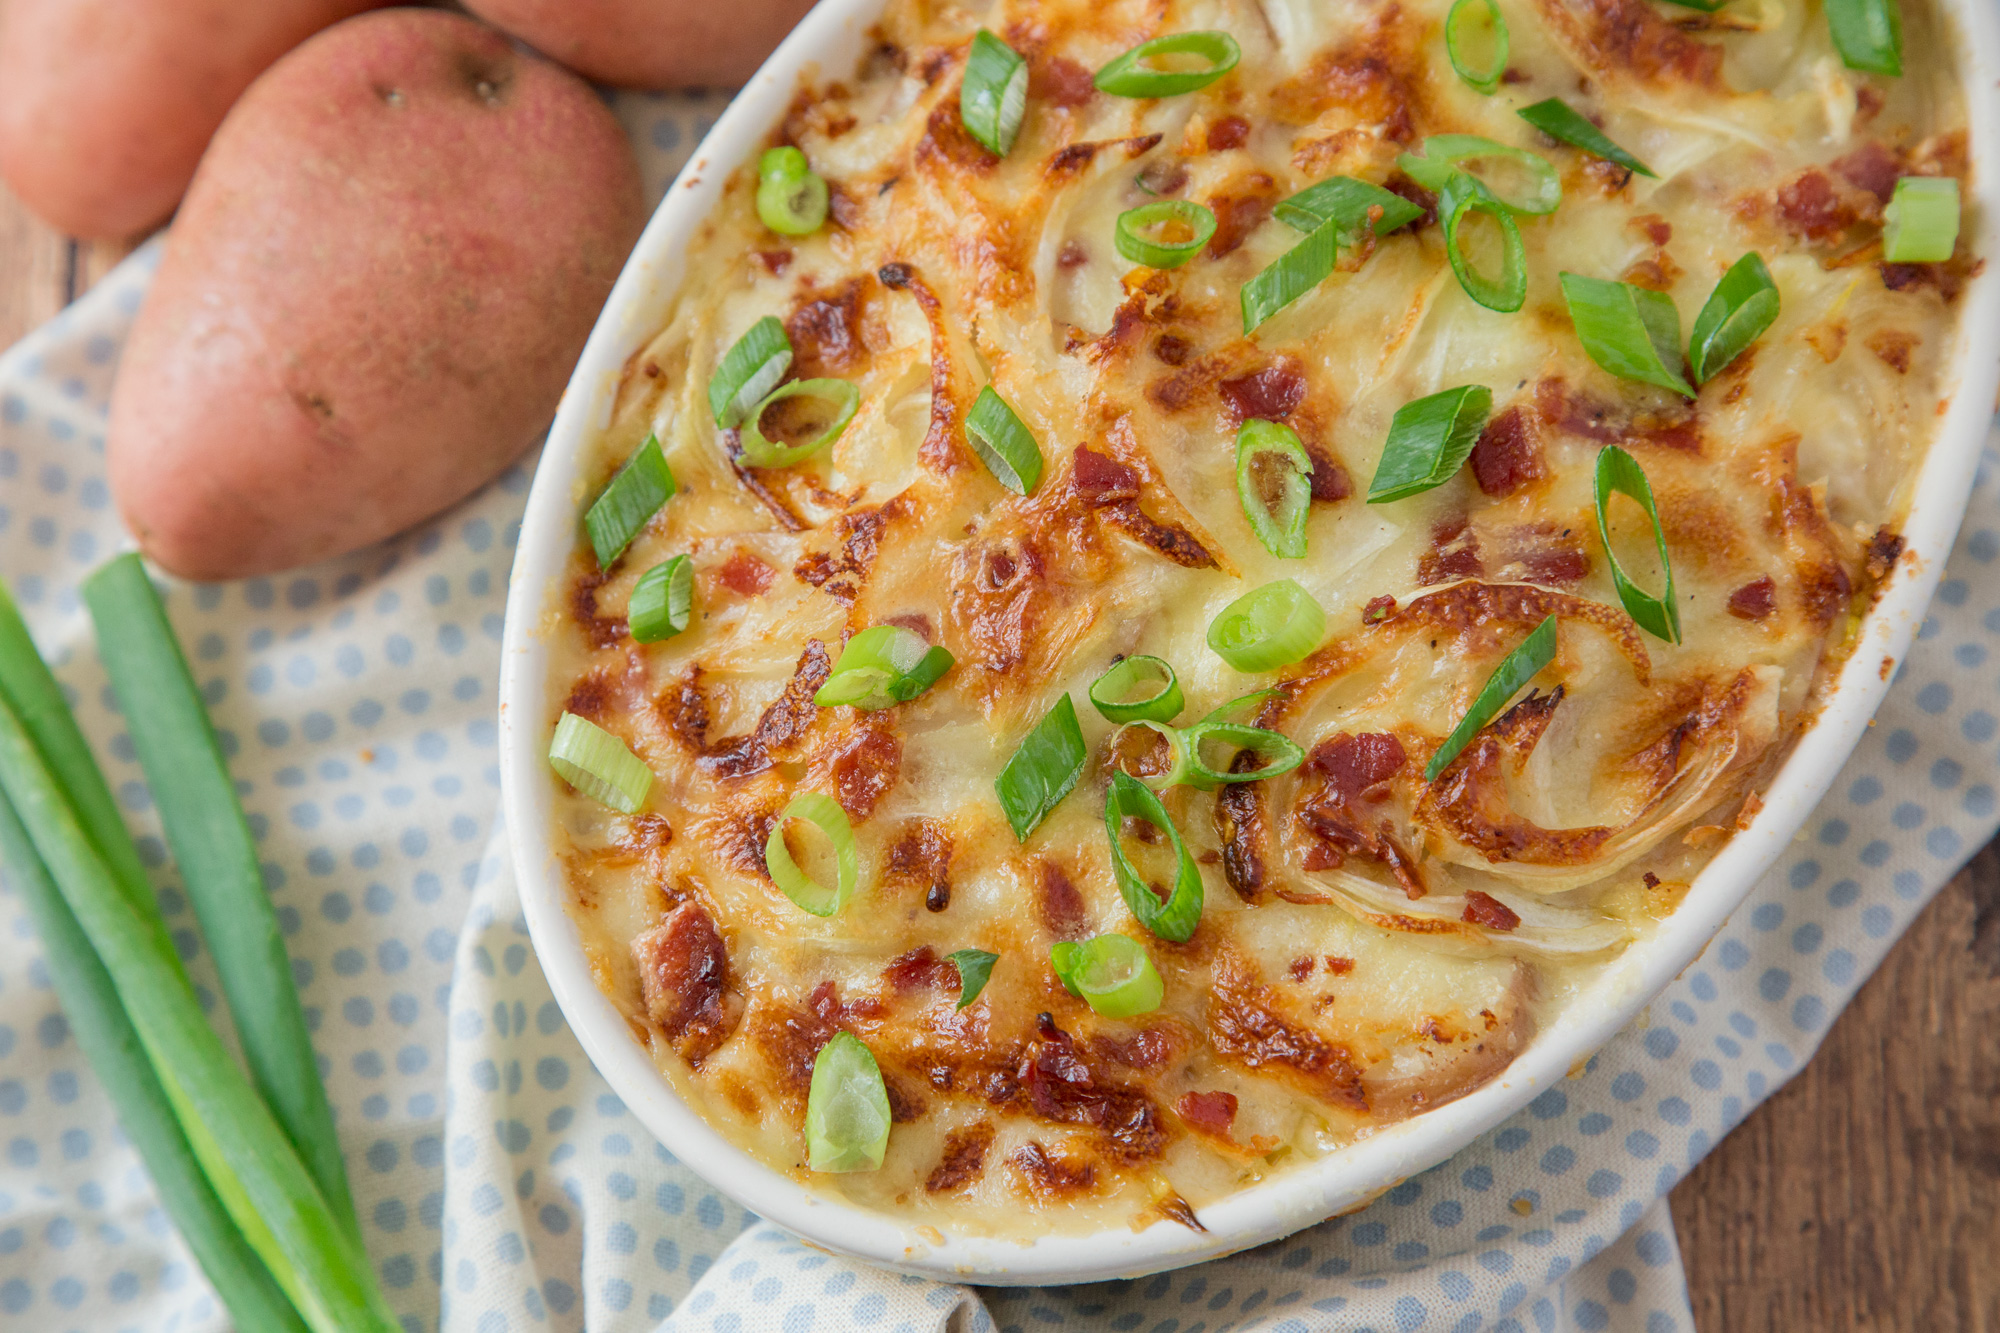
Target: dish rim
832,37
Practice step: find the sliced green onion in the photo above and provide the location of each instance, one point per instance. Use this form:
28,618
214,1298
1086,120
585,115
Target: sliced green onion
1559,120
1236,708
1291,275
1141,232
1470,25
1534,184
1175,917
1920,225
1429,441
808,894
1110,973
1508,290
1179,765
1003,443
882,666
1529,656
751,368
1111,693
994,95
661,601
847,1108
1130,76
1868,34
1270,627
1274,482
211,841
1346,200
841,396
629,502
1620,472
1742,306
599,765
791,197
1043,770
1705,6
974,967
1633,332
1279,753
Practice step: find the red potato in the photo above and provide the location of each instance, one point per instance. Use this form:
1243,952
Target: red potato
106,105
650,43
372,298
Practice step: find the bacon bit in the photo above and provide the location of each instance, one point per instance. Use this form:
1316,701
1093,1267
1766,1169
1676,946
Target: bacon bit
1338,966
1539,553
775,262
1301,967
1062,1088
1378,609
1240,212
1651,880
1402,186
1657,272
1893,347
921,969
946,140
921,856
1100,479
1208,1112
1509,453
1072,255
1871,167
745,574
863,769
1058,903
1359,768
825,332
1270,394
1245,1028
844,209
963,1159
1060,81
1754,600
1653,227
1884,548
1454,554
1172,349
1049,1175
1811,207
601,631
1483,909
1330,482
1227,133
1675,428
1151,1047
1632,36
683,976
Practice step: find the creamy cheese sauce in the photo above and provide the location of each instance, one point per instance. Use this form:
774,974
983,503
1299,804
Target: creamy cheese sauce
1350,969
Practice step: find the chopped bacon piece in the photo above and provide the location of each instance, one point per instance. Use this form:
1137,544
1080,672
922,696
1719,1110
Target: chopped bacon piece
963,1158
1227,133
1631,35
1209,1112
1172,349
1359,767
826,333
1884,548
1240,212
1871,167
1330,481
1509,453
1149,1048
1754,600
1060,81
683,978
775,261
1811,207
1270,394
1072,255
1483,909
1454,554
1301,967
1101,479
1338,966
1062,1088
921,969
1059,904
1378,609
745,575
863,770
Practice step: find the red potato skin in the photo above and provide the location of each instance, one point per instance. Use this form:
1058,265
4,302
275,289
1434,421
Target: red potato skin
106,105
372,298
650,43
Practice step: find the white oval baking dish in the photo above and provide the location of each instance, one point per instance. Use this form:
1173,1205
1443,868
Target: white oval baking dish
832,38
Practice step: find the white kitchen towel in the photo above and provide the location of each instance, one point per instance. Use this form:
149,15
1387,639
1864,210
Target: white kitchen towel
503,1187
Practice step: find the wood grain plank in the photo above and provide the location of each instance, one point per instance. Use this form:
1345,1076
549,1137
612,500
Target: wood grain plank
34,270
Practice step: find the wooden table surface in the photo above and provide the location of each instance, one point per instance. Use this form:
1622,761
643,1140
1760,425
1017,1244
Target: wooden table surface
1865,1195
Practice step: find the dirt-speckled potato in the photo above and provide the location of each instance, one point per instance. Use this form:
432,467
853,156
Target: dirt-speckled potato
105,105
372,298
650,43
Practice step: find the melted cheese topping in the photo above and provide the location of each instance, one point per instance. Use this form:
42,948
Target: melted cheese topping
1355,963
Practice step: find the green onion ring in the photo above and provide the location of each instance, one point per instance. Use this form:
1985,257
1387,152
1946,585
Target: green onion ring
1280,752
791,197
1269,627
807,893
1515,670
1176,917
1003,442
1920,225
761,452
1128,76
1458,42
1868,34
1178,765
1445,153
1617,471
1347,200
974,967
1133,223
1110,973
1506,292
1279,522
1742,306
661,601
1291,275
752,367
993,97
599,765
1110,693
1559,120
882,666
1231,711
847,1108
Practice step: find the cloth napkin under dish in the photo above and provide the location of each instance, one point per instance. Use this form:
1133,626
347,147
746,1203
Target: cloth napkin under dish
503,1187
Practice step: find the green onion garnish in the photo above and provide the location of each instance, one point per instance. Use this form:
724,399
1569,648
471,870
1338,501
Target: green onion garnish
847,1109
1142,232
1742,306
1507,291
791,197
1291,275
1043,770
1347,201
1429,440
974,967
1239,707
1110,973
217,855
1178,765
750,369
1514,178
1868,34
1112,692
1130,76
1620,472
1003,443
1515,670
629,502
599,765
1559,120
1274,482
882,666
661,601
1473,28
1270,627
1175,917
808,894
993,97
1279,753
1633,332
842,398
1920,225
